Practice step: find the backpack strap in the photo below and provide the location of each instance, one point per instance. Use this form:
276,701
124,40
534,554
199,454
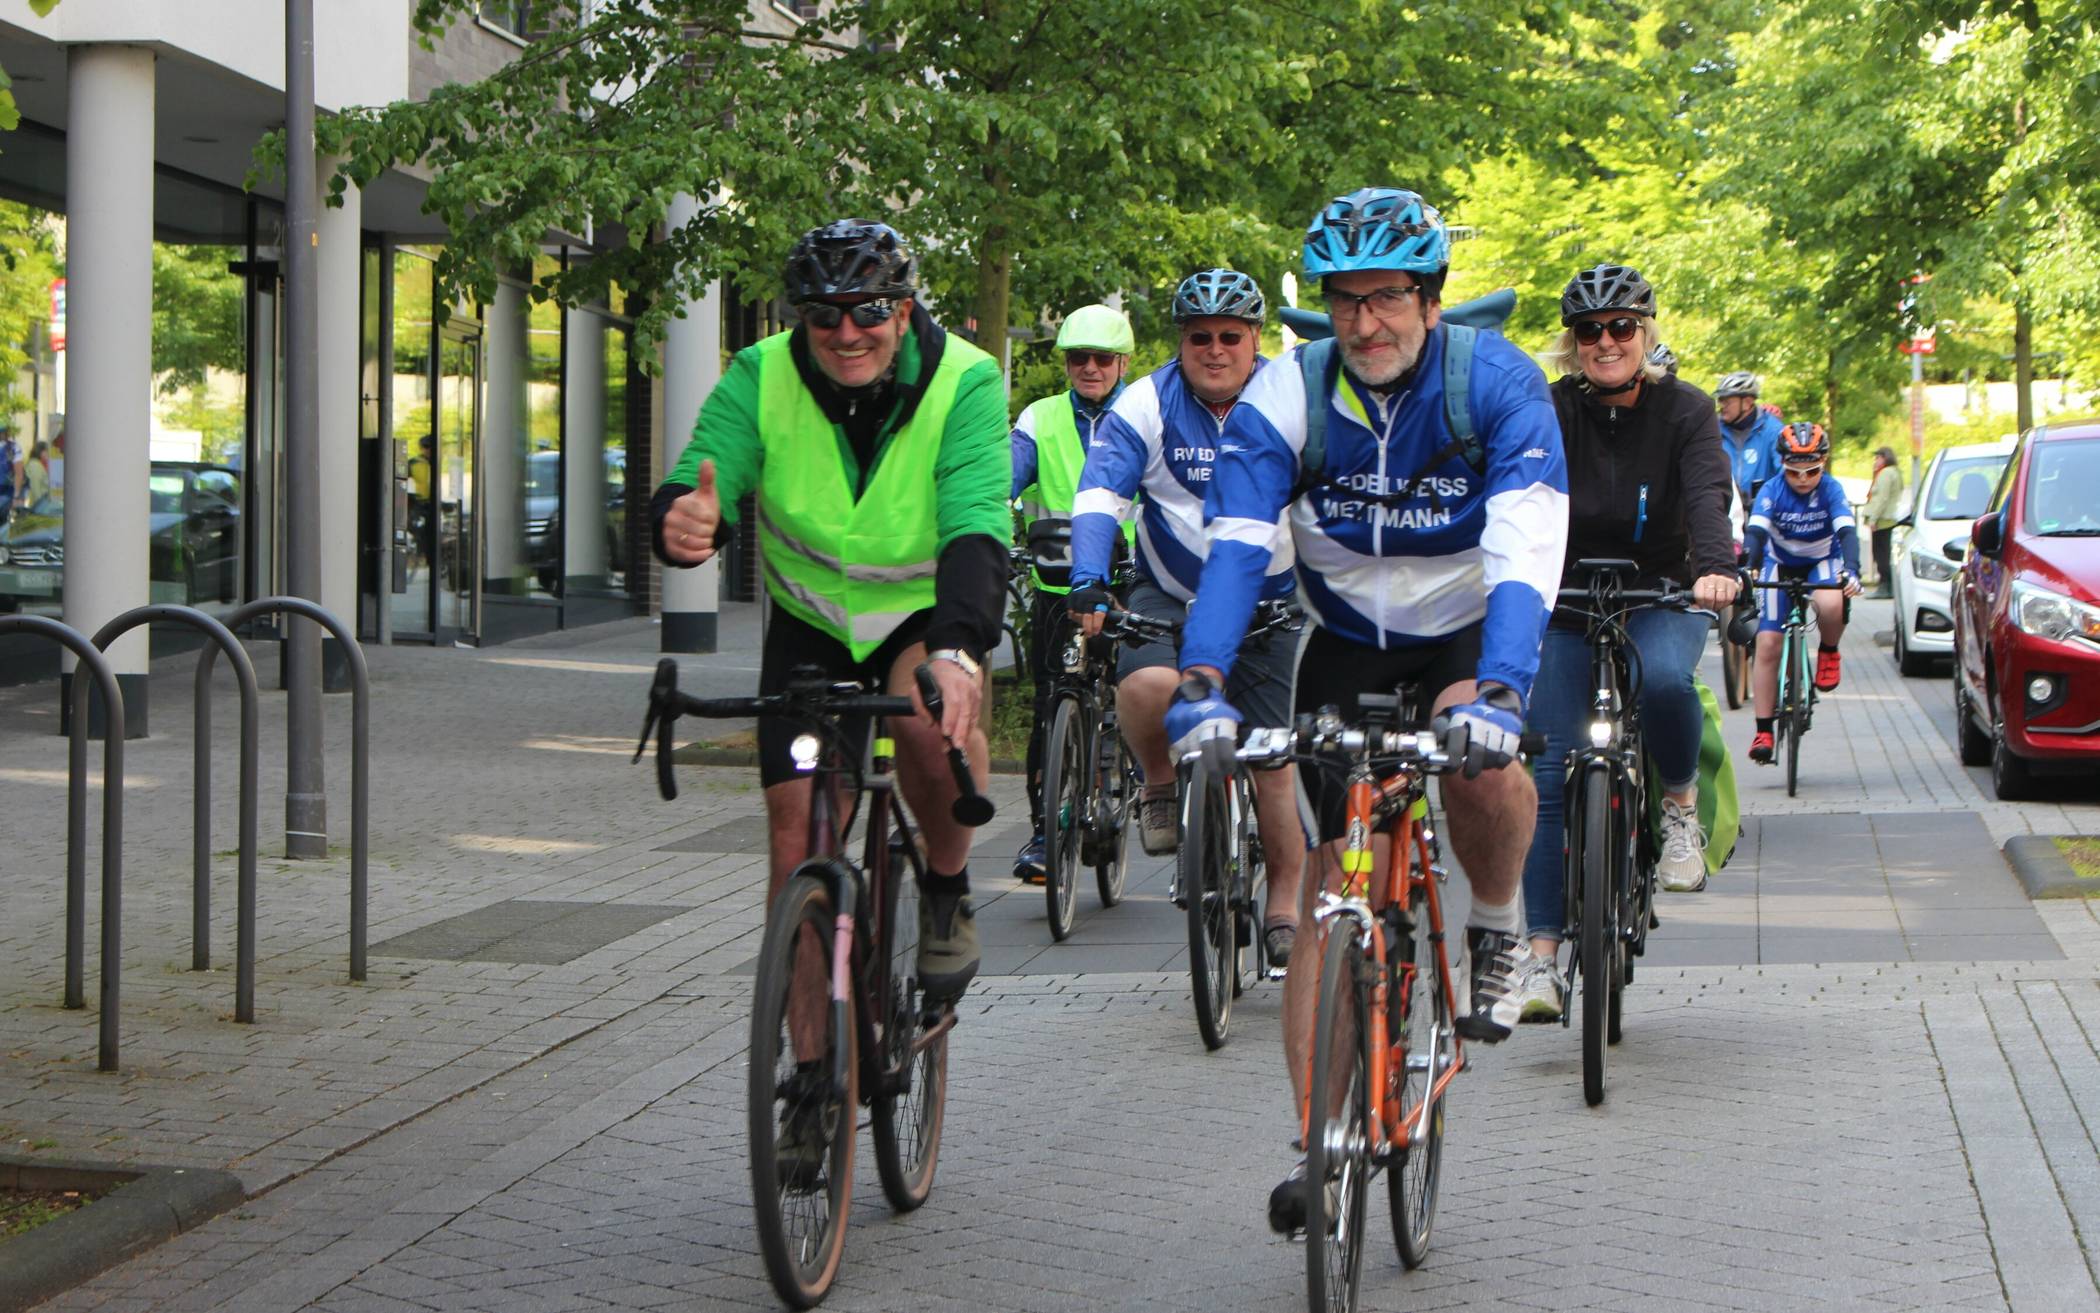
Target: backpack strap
1316,363
1459,340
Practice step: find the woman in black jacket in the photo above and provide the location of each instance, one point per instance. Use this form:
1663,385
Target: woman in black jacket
1648,481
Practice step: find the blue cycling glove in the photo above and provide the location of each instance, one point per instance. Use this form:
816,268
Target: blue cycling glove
1482,734
1199,713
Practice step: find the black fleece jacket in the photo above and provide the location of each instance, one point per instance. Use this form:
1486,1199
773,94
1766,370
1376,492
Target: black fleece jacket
1647,482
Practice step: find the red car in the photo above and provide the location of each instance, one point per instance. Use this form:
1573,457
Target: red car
2027,615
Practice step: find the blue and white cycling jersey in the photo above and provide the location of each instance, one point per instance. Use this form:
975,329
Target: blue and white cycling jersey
1753,453
1448,548
1803,529
1160,439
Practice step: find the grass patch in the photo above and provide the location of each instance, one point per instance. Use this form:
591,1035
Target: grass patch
20,1210
2083,853
1013,716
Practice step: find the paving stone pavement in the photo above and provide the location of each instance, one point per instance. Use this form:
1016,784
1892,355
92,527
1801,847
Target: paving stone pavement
1857,1073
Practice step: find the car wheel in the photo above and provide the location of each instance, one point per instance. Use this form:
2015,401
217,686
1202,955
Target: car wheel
1910,662
2010,778
1969,738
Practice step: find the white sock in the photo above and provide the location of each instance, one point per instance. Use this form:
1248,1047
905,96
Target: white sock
1507,917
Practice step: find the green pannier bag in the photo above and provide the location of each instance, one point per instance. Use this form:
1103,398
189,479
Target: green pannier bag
1720,815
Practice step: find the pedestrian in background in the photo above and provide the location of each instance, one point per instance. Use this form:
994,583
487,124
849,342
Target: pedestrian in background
1881,512
10,473
36,476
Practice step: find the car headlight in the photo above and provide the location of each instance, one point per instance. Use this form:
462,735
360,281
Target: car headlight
3,556
1937,569
2051,615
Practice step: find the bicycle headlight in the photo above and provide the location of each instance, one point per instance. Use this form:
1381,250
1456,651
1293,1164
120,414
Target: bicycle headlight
1075,654
1600,733
2052,615
1931,567
805,749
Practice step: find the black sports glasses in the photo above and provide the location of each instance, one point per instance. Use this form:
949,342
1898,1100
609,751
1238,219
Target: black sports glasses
867,314
1384,303
1098,359
1202,337
1590,331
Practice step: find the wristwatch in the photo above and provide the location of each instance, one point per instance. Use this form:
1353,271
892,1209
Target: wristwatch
969,664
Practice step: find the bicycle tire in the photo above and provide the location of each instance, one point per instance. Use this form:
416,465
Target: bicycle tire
1732,671
1796,714
1338,1145
1204,853
1119,805
1424,1046
1065,775
1249,959
1600,926
906,1123
801,1231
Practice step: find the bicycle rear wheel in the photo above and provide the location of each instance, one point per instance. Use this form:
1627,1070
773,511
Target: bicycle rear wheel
1117,803
1423,1043
800,1122
1065,773
1205,858
1337,1138
1600,927
908,1110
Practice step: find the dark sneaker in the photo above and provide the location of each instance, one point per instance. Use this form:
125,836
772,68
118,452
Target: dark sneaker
1761,747
1277,941
805,1131
1029,862
1495,1003
1828,669
1159,827
948,955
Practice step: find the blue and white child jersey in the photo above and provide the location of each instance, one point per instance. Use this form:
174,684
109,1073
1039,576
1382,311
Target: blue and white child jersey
1456,548
1804,529
1160,439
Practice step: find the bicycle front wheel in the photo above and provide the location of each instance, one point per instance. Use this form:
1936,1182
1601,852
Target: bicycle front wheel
1206,857
801,1099
1600,928
1117,803
1796,711
1338,1131
1424,1045
1065,773
910,1105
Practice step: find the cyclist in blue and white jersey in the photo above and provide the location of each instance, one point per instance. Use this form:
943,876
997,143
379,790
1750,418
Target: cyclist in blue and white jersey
1801,527
1424,558
1160,439
1749,433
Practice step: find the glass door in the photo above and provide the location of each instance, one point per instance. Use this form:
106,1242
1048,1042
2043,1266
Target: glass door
458,563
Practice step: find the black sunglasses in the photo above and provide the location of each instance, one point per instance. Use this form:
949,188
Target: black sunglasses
867,314
1202,337
1590,331
1098,359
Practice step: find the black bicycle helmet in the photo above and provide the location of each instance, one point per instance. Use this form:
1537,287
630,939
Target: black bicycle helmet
850,257
1606,287
1224,292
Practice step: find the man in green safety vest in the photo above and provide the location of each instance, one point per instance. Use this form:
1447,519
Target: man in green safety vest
1049,447
875,442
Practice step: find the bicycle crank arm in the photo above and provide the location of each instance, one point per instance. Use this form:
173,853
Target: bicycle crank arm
926,1037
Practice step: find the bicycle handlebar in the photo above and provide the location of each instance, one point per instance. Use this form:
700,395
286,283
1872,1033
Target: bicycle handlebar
1801,584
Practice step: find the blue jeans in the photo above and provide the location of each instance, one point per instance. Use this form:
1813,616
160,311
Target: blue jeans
1669,644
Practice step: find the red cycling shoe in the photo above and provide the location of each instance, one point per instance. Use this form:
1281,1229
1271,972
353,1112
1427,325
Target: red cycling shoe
1761,747
1827,664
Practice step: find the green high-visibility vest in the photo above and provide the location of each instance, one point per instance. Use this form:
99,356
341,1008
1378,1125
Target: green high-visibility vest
1060,454
855,568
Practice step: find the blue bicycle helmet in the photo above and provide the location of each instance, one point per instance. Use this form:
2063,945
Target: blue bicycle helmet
1378,228
1225,292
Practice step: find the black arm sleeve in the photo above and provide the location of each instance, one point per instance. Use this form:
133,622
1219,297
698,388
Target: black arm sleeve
1708,483
969,596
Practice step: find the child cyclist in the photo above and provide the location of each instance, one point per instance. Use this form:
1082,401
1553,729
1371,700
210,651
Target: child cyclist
1800,527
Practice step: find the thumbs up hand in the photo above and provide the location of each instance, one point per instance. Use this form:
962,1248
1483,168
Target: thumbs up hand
690,524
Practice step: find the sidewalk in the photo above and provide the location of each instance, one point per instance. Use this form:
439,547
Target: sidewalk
1856,1073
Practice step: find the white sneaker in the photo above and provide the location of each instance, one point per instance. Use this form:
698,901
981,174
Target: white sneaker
1683,866
1541,993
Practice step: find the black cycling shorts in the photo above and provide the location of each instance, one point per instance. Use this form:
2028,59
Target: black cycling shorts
791,642
1334,670
1259,687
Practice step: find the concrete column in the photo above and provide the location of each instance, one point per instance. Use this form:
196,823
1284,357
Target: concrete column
583,451
339,272
692,367
109,330
503,443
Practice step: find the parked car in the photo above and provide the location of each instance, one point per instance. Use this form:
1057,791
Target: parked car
1930,545
543,541
193,551
2027,614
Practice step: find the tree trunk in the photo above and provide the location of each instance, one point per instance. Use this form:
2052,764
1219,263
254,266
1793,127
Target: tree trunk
2023,361
994,293
1830,391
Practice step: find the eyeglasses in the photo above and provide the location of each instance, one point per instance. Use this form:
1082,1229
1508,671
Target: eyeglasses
1098,359
1203,337
1591,331
867,314
1384,302
1803,471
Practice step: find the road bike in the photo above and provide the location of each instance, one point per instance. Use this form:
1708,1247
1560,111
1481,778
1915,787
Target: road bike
1796,706
838,1020
1611,849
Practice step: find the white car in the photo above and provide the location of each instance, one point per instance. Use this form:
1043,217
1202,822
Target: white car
1930,544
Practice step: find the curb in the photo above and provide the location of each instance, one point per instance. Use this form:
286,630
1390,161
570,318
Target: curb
2043,870
155,1204
696,754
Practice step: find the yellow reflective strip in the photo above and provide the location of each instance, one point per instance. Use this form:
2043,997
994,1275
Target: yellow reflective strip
1356,863
885,747
1418,809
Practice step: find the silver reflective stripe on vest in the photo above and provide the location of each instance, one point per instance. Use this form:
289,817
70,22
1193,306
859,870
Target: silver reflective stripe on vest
862,574
872,627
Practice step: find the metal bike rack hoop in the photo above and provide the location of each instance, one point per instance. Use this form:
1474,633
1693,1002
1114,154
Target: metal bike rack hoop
76,829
